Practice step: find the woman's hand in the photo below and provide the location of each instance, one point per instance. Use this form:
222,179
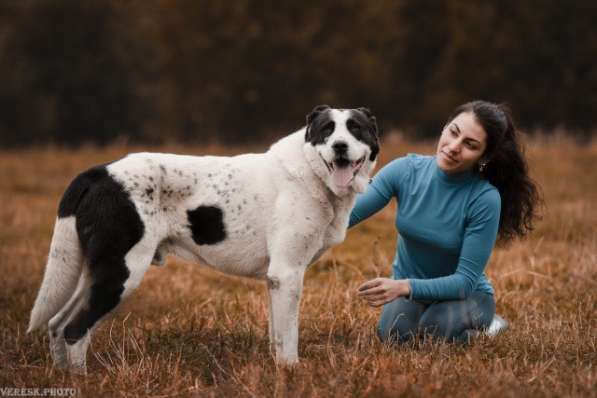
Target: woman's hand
380,291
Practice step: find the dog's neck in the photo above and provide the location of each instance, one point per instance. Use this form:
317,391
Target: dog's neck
301,162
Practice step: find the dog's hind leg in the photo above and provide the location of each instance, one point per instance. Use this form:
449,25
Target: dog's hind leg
111,279
57,324
99,299
58,349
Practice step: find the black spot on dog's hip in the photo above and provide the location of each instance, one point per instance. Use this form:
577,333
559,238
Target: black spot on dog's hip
207,225
79,188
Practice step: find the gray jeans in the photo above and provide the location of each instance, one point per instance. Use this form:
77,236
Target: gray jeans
456,320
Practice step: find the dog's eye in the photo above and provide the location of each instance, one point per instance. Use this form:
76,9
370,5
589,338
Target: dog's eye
352,125
354,128
328,128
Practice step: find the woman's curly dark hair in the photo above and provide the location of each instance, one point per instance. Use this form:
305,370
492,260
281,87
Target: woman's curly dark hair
506,168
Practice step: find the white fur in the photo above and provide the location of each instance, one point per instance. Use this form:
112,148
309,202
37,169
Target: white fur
61,275
281,212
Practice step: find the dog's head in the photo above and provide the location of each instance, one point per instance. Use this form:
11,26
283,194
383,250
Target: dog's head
342,147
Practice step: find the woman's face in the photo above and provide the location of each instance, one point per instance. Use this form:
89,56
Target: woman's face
461,144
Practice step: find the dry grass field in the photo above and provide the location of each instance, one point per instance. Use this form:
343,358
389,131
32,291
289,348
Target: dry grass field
190,331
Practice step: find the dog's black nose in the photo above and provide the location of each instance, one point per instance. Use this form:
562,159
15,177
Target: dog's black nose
340,147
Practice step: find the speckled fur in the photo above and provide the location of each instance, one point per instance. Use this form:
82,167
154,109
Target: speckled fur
280,212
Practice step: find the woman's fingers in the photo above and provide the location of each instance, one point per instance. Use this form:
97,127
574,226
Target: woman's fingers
378,303
372,291
369,284
377,297
377,291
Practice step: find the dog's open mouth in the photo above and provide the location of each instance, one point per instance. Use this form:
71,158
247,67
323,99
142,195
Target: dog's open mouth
343,170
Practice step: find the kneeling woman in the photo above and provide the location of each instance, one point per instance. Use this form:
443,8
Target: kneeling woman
451,208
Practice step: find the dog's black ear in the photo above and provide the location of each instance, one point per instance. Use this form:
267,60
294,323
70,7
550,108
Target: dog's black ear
375,144
311,116
373,128
367,112
315,112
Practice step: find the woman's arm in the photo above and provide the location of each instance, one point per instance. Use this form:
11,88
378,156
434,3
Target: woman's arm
380,291
384,186
479,238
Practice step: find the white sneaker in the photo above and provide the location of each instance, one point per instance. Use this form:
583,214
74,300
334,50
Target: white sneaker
497,326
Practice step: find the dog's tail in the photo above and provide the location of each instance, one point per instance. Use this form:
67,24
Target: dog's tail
63,270
65,261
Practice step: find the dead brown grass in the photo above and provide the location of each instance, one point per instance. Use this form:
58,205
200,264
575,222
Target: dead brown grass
190,331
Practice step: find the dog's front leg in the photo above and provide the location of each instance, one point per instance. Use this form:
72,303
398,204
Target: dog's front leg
285,285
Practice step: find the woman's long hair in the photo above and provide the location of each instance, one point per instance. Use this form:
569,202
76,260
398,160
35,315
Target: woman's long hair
506,168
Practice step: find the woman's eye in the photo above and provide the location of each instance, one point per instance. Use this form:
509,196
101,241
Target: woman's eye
454,133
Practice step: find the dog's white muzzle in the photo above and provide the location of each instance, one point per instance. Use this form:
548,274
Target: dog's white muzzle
342,170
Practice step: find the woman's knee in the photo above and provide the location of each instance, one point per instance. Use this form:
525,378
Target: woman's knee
396,334
399,320
383,333
386,328
440,322
450,319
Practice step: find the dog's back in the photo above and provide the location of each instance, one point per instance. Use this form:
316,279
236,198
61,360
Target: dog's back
202,208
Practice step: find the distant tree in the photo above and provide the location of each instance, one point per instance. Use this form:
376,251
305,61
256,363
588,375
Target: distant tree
234,72
68,74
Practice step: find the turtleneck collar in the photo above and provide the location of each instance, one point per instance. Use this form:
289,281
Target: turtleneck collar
452,178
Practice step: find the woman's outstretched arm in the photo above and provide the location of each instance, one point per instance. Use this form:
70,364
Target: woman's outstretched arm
384,186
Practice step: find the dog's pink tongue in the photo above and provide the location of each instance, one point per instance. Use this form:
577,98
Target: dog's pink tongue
342,176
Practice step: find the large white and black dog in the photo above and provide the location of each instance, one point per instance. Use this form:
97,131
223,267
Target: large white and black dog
264,215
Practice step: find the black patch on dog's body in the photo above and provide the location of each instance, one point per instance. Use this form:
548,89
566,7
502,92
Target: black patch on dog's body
207,225
108,226
78,188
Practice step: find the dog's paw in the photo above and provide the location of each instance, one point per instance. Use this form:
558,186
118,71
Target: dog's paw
287,361
80,370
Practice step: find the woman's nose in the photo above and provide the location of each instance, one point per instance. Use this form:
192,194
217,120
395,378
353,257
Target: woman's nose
454,146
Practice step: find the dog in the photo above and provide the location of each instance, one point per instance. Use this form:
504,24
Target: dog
266,216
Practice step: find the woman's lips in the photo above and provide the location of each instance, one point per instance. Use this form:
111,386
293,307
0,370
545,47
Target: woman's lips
450,158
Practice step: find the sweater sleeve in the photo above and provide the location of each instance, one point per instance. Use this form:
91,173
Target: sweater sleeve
384,186
479,238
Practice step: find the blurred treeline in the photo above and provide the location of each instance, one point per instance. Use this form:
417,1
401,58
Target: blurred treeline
75,71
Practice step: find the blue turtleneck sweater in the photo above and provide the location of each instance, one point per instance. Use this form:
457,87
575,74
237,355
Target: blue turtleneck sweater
447,226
